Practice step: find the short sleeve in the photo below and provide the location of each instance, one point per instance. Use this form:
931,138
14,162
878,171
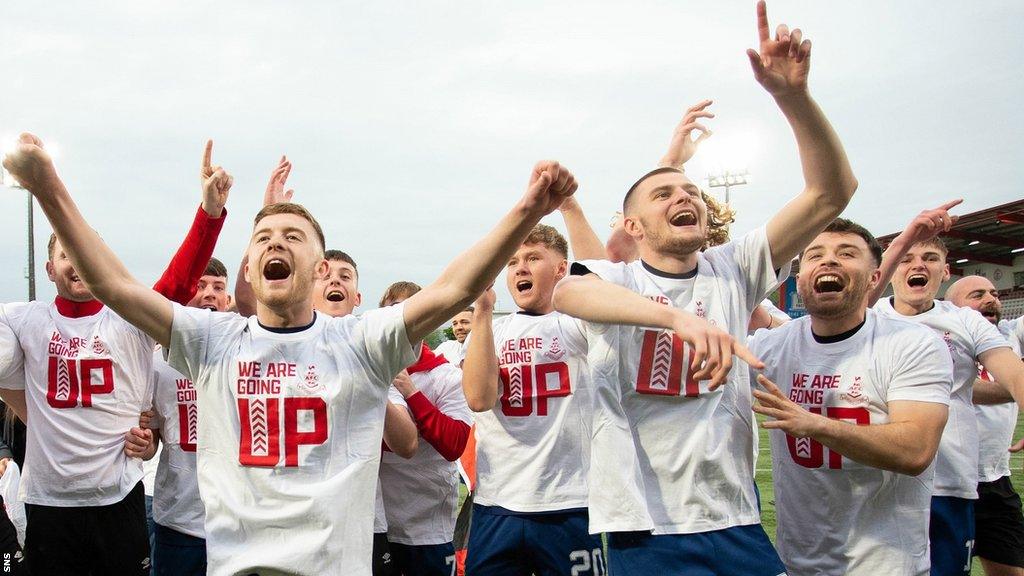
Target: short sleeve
383,335
12,358
922,368
395,397
614,272
753,255
193,334
452,401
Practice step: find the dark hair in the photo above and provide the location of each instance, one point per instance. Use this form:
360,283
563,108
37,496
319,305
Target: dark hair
290,208
339,256
844,226
936,243
216,268
399,290
629,194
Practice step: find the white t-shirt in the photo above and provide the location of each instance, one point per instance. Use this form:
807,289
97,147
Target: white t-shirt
421,493
668,455
290,431
996,423
380,518
452,350
835,515
967,335
176,501
86,381
533,447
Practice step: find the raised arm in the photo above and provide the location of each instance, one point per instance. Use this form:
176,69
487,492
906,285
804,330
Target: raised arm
101,270
178,282
782,67
480,379
583,241
245,298
473,271
925,226
596,300
906,444
683,145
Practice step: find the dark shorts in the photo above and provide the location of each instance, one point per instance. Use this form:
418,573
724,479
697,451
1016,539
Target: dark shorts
178,554
424,560
112,539
735,551
12,559
951,535
383,562
544,544
998,523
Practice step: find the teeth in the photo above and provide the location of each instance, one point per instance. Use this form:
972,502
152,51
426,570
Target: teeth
335,296
917,280
524,285
683,219
828,283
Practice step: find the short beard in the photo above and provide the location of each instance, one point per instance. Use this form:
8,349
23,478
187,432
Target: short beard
668,244
845,307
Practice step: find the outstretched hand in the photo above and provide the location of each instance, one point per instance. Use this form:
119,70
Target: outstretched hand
216,184
550,184
788,416
30,164
275,193
930,223
683,145
713,349
784,62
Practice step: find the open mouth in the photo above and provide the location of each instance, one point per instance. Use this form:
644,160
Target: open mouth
991,314
523,286
917,280
276,269
335,296
210,307
828,283
683,219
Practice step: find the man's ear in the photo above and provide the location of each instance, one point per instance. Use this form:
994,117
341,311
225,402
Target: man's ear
359,299
945,271
50,272
632,227
322,269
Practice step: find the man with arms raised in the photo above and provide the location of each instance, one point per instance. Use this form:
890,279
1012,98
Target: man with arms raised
291,402
998,522
86,374
526,375
857,413
920,270
671,468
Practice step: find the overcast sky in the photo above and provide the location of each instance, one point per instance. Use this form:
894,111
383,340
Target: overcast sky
413,125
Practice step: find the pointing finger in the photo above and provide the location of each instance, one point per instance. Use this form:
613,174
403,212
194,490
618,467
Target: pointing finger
762,21
207,156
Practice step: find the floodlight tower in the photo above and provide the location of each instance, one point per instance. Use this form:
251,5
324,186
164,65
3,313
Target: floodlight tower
727,179
6,179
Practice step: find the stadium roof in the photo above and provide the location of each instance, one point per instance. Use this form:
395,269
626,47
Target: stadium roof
989,236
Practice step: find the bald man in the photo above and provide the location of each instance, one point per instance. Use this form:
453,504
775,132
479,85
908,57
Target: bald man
998,522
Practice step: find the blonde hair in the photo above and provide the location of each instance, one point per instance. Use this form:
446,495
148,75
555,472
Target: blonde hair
720,216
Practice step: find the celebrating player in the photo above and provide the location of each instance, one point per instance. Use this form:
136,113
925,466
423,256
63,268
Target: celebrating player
920,270
998,522
291,402
526,376
857,413
671,470
85,374
421,493
455,350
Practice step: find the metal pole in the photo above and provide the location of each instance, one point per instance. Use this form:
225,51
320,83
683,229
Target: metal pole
31,250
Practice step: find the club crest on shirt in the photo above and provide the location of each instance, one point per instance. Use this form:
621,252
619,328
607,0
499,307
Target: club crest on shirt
311,381
855,394
97,346
555,352
699,310
948,339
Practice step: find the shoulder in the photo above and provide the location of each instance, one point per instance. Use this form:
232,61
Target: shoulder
765,341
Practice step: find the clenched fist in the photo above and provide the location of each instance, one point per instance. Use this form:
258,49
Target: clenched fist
30,164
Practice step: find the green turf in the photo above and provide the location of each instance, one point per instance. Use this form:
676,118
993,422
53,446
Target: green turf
763,477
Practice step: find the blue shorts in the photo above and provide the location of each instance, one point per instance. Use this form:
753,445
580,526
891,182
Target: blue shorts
178,554
424,560
951,535
736,551
545,543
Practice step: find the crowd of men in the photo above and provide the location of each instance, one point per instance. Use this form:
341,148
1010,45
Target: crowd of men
610,418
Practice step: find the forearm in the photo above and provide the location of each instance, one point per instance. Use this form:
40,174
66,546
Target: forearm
826,169
15,399
593,299
400,432
151,451
583,241
890,260
178,282
446,434
897,447
986,392
245,298
480,366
